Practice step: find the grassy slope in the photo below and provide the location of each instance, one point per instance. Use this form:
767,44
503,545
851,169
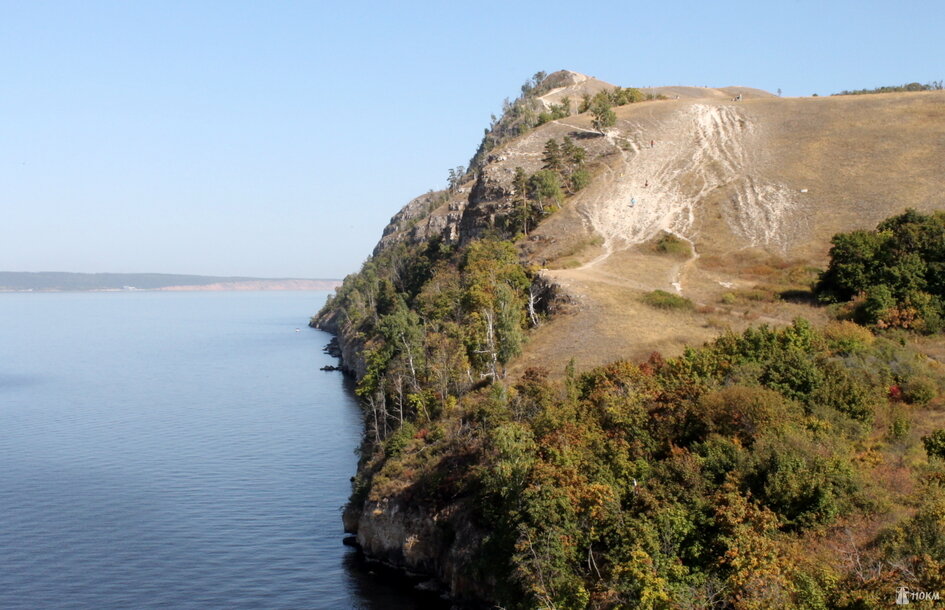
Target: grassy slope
860,158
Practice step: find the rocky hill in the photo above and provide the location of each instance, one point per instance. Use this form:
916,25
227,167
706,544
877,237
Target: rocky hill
733,475
752,185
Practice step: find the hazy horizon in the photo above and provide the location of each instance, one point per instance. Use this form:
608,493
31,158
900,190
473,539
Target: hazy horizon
162,273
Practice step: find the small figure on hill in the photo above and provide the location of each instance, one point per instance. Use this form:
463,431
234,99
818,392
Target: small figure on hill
652,143
633,201
646,183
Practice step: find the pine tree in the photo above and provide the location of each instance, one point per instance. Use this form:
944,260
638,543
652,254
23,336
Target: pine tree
553,158
520,184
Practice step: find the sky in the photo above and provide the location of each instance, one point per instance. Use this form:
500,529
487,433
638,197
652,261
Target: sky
276,139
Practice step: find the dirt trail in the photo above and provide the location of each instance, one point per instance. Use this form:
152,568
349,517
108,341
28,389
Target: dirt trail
577,78
752,184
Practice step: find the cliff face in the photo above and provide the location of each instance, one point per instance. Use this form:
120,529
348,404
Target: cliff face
454,216
436,543
350,345
436,214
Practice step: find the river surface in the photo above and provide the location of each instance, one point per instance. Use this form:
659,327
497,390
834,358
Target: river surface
175,450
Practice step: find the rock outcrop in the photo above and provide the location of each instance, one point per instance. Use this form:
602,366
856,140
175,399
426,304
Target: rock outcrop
436,544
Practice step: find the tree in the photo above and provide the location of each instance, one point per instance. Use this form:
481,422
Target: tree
852,268
403,334
520,184
495,287
574,174
603,114
545,187
456,176
566,105
553,158
573,153
585,103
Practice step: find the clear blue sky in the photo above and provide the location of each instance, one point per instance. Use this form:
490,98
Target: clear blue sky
277,138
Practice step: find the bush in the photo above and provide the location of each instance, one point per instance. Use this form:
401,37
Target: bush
794,374
899,426
802,484
918,543
848,337
673,245
661,299
839,389
896,273
935,444
919,391
398,441
743,412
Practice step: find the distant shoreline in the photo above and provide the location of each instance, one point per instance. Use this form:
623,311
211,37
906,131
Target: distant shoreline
150,282
221,287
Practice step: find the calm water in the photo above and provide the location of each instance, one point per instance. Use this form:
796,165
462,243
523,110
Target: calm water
177,451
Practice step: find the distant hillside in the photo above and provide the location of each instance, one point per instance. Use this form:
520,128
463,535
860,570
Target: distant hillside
60,281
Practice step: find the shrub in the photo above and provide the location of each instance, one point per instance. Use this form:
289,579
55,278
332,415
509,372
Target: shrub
848,337
661,299
899,426
918,543
802,484
398,441
743,412
935,444
896,272
839,389
794,374
919,390
673,245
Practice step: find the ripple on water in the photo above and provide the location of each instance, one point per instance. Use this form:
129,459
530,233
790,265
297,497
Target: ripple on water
175,450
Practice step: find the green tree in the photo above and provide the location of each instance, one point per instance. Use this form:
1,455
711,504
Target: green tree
520,185
585,104
566,105
602,113
852,265
456,176
544,186
553,157
494,295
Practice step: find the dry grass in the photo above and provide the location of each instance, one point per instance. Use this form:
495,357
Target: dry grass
860,159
